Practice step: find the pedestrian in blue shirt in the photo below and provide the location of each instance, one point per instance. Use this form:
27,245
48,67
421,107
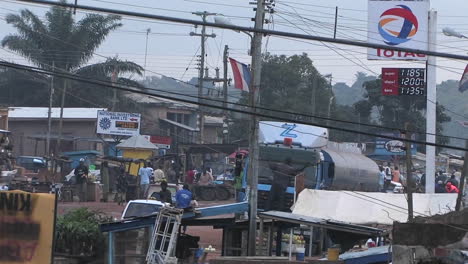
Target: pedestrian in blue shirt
145,174
184,198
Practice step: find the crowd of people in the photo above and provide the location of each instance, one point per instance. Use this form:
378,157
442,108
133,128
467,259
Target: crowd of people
444,184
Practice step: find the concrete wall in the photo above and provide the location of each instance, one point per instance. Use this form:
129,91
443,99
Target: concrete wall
22,130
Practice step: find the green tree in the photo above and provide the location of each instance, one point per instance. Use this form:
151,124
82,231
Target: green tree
290,84
67,45
395,111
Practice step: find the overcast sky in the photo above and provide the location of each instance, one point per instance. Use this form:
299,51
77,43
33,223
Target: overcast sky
171,50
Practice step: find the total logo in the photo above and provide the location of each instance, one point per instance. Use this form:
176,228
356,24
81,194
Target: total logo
403,16
398,25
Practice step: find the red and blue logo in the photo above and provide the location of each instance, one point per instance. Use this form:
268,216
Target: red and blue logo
390,18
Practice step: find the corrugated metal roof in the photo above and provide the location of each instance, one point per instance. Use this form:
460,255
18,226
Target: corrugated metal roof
320,222
189,128
42,113
146,99
137,142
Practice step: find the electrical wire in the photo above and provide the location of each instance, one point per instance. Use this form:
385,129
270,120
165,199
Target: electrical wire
273,117
368,198
153,72
294,113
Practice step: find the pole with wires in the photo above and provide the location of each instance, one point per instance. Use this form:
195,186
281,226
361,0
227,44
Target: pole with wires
409,176
254,148
462,179
431,105
336,22
49,112
201,68
148,30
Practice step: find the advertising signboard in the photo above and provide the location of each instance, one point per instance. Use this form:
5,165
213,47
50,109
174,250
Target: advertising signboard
404,81
402,24
118,123
304,135
390,147
27,222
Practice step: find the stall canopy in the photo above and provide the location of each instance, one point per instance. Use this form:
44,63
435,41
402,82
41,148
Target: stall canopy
370,208
137,142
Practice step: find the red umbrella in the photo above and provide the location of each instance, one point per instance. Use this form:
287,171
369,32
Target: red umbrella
243,152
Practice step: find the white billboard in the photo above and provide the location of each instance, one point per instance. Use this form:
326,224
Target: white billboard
304,135
118,123
402,24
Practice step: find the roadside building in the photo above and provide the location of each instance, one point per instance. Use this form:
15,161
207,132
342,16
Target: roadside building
28,126
177,120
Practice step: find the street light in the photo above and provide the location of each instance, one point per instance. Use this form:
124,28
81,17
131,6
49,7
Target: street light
450,32
222,20
453,33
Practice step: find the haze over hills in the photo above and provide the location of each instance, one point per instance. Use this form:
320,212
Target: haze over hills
448,95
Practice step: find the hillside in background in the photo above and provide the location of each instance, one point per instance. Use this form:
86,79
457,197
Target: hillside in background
190,88
349,95
455,103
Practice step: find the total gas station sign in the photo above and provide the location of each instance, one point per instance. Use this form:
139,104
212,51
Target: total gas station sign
404,81
402,24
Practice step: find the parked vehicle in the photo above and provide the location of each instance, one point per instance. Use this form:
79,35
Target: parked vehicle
141,208
31,163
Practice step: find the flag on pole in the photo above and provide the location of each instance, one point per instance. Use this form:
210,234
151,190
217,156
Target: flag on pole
464,81
241,74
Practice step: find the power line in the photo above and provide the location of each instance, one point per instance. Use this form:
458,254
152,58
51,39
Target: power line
248,29
289,112
273,117
158,73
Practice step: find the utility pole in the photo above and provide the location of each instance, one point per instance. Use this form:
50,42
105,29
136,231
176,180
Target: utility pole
225,80
49,113
431,104
462,179
409,176
114,91
254,148
148,30
203,37
62,105
225,94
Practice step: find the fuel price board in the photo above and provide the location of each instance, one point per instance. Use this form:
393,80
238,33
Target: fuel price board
404,81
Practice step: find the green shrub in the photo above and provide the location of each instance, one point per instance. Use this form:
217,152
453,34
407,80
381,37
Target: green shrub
77,233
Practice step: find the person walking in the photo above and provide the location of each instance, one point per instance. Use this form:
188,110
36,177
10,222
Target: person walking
165,195
382,176
81,176
190,176
184,198
121,195
105,180
145,174
440,188
159,175
206,178
396,175
282,175
453,180
450,188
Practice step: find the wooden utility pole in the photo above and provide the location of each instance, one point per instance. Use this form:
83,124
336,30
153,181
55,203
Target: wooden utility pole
462,179
203,37
253,140
225,95
49,112
409,176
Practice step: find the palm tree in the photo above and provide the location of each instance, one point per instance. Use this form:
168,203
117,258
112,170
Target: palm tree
61,43
110,71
